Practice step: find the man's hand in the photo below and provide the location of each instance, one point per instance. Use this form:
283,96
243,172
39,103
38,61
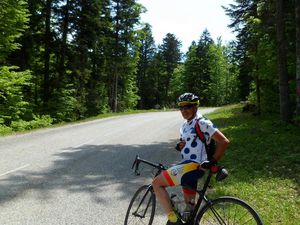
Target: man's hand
180,145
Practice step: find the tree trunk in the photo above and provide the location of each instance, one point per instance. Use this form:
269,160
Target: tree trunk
297,12
285,107
258,102
47,53
65,26
116,57
257,77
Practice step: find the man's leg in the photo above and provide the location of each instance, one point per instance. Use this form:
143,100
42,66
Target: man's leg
172,177
189,197
159,186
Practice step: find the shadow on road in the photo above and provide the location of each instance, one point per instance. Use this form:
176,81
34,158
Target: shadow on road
91,169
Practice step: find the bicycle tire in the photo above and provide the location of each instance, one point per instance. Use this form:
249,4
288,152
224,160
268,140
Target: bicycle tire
141,208
228,210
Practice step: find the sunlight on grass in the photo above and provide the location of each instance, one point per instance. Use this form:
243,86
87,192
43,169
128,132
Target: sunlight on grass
264,164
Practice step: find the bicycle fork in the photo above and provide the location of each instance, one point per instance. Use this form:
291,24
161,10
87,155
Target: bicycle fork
135,213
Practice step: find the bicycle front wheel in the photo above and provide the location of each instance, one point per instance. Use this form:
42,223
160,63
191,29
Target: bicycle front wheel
228,210
142,207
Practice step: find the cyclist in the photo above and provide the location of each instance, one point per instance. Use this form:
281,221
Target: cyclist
193,153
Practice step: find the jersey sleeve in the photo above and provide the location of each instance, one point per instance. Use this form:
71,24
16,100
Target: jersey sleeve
207,127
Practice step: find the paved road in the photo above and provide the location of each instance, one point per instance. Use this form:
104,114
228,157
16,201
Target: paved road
80,174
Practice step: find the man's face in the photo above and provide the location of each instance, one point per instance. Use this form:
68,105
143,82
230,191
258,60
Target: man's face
188,111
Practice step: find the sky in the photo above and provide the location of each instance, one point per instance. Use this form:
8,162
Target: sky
187,19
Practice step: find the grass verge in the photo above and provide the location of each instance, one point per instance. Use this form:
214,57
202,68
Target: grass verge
5,131
264,164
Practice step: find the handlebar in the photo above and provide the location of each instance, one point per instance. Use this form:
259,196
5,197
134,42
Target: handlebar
221,172
138,160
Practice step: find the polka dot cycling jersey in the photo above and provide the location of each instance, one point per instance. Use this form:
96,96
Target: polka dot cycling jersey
194,149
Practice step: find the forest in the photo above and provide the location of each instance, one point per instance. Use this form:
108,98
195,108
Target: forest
66,60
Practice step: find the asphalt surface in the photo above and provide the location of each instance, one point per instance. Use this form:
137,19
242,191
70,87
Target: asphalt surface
81,174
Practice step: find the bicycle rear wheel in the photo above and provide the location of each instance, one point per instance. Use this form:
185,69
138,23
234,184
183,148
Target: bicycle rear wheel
142,207
228,210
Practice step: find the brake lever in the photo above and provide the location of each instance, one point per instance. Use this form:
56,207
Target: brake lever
136,170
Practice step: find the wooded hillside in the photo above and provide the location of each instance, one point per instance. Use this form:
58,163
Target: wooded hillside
64,60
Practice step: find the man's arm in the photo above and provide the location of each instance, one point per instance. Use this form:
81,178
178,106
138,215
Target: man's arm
222,144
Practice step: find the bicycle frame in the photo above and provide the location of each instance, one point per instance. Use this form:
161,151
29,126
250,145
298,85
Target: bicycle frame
160,167
202,196
212,207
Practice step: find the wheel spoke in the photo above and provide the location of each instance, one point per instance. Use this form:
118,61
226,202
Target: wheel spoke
228,211
141,208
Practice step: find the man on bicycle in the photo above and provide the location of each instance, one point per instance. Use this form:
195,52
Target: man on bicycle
193,153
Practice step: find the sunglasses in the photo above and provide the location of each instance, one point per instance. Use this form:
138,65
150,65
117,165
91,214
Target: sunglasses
185,107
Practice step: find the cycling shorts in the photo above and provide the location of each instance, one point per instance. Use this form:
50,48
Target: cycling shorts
185,173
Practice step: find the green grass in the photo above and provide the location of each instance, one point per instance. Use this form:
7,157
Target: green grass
264,164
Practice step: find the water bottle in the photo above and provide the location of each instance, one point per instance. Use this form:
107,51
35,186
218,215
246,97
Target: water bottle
183,209
177,204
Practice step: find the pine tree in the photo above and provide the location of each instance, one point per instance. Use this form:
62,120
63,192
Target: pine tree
146,55
124,54
257,24
86,25
191,70
171,56
203,76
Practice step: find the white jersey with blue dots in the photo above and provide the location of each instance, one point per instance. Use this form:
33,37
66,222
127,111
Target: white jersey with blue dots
194,149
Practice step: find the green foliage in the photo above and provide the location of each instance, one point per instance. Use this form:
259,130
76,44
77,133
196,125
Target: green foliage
176,87
37,122
5,129
108,64
144,78
256,23
223,87
111,61
153,88
197,69
12,103
65,103
170,54
13,19
210,72
123,56
191,70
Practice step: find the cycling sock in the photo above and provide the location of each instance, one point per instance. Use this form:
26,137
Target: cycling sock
172,217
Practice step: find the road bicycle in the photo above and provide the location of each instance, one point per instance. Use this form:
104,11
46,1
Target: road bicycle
222,210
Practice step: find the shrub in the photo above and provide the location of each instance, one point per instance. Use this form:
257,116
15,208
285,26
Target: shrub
12,103
5,130
38,122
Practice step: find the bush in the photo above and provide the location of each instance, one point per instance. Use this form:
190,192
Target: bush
38,122
5,130
12,103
